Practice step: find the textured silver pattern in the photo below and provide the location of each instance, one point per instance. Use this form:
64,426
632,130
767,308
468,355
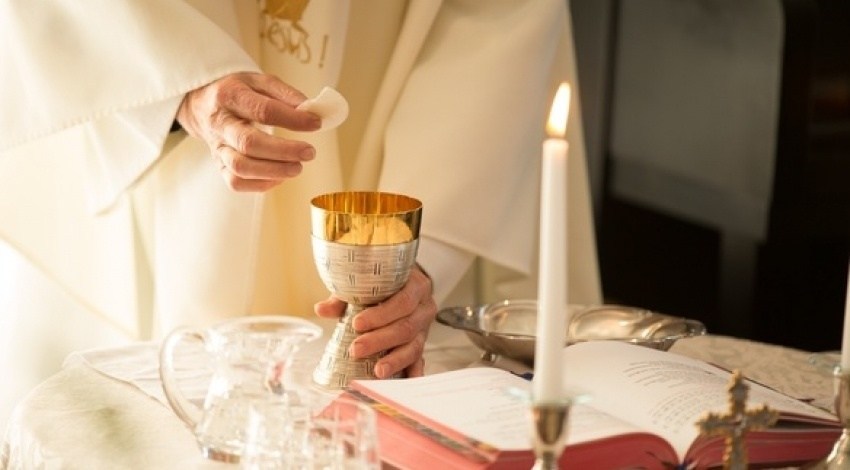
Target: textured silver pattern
364,274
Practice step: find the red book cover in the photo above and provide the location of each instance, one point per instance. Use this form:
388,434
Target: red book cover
641,412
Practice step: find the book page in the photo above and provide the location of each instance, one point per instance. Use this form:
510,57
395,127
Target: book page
487,404
662,392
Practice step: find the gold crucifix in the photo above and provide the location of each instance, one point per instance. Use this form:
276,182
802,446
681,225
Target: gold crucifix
736,422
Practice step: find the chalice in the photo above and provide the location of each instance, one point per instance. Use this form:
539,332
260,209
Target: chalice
364,245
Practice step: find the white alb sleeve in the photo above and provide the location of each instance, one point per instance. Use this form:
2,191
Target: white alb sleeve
444,263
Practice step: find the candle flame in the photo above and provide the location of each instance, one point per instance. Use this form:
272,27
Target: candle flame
557,124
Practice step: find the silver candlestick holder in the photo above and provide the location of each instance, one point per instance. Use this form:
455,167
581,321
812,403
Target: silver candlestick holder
549,421
364,246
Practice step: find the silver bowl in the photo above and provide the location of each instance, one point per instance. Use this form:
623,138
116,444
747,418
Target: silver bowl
507,328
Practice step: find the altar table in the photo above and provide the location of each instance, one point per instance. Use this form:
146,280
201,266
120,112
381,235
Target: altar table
105,410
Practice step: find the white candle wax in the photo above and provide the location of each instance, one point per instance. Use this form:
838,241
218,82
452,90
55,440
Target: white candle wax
552,320
845,339
552,283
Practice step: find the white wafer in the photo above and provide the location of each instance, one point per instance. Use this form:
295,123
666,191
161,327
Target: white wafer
330,105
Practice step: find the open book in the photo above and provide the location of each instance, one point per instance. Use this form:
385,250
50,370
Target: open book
638,409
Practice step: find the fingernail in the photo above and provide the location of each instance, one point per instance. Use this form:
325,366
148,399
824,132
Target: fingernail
355,350
315,122
307,154
382,371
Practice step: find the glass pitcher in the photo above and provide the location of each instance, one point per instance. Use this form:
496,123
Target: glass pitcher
249,357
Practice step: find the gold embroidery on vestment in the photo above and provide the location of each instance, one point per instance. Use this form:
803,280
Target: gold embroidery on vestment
284,31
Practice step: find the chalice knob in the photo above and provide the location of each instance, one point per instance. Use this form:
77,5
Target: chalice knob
364,245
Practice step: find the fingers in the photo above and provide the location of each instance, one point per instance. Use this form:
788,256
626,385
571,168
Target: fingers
417,369
222,114
275,88
248,153
247,140
243,172
417,291
245,167
265,99
397,333
399,326
407,357
331,307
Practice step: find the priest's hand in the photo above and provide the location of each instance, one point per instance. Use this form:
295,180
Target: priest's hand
398,325
222,114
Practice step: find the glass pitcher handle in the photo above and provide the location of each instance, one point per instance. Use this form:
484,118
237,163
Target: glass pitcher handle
185,410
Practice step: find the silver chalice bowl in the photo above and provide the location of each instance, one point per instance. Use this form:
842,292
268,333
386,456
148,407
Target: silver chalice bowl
364,245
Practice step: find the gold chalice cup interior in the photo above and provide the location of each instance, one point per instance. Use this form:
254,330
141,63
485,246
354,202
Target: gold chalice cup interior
366,218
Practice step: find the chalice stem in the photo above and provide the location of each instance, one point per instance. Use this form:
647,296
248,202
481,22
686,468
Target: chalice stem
336,367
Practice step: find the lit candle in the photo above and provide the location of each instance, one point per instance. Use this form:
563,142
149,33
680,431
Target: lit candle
552,277
845,339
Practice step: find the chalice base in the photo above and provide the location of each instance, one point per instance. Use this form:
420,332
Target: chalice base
337,368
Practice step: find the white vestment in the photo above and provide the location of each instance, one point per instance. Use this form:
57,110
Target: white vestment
116,230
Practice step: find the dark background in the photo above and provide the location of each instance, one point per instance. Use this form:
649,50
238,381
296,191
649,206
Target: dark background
793,292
